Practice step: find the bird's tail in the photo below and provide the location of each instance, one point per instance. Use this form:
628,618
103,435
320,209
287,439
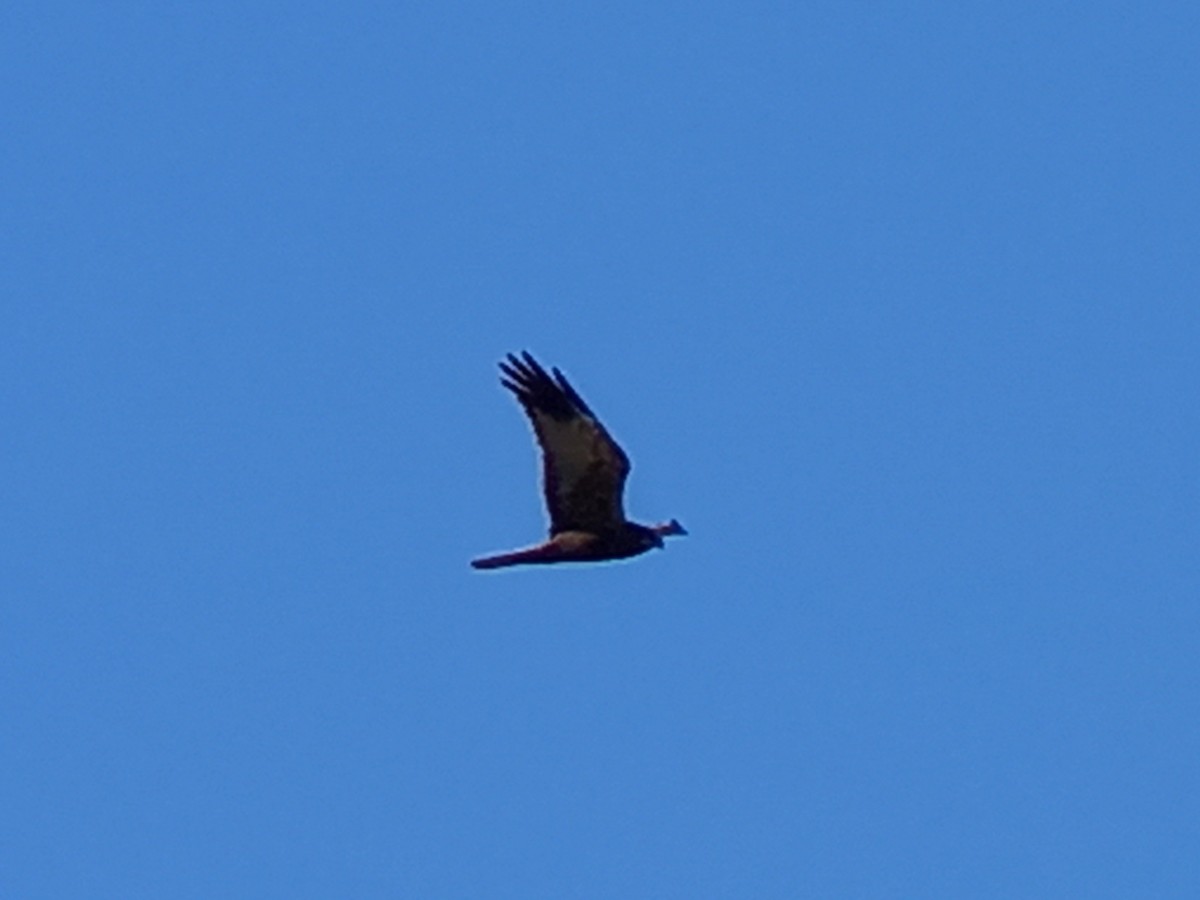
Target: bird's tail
515,558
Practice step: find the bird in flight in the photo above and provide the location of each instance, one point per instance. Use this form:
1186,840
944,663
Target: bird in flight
583,475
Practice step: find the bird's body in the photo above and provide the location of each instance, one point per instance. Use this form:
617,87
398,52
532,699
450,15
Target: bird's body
584,472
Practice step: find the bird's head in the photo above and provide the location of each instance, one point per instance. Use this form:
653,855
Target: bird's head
643,537
653,535
647,538
669,529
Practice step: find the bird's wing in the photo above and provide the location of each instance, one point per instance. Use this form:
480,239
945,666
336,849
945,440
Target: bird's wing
583,468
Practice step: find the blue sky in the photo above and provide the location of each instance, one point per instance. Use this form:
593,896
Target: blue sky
894,306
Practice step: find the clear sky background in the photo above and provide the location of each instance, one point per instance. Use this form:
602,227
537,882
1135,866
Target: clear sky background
894,306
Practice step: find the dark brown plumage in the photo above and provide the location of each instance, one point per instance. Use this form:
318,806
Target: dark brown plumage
583,476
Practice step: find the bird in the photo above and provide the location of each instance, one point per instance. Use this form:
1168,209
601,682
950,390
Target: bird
583,476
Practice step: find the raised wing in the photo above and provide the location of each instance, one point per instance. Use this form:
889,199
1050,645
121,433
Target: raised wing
583,469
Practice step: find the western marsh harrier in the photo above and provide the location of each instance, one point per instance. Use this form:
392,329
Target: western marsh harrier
583,476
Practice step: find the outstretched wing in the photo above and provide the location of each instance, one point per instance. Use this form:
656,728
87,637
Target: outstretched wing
583,468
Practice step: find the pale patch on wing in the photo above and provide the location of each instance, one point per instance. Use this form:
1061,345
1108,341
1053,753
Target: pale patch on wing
584,477
572,445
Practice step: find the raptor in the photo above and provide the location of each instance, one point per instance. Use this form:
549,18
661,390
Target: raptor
583,476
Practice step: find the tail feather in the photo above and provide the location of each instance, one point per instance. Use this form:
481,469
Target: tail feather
515,558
